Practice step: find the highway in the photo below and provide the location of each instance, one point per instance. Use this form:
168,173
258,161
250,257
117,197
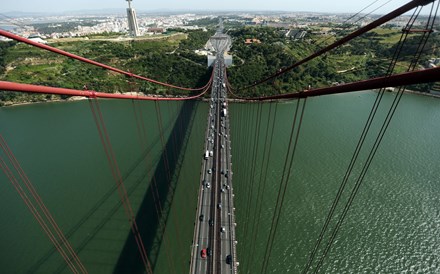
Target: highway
213,248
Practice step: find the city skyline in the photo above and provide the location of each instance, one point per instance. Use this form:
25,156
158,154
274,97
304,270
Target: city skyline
341,6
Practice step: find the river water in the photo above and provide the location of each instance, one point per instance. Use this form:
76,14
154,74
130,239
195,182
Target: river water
393,225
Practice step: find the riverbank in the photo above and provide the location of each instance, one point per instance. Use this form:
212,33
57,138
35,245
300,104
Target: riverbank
423,93
79,98
234,100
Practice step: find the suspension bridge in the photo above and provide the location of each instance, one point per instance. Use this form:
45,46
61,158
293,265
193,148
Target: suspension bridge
213,249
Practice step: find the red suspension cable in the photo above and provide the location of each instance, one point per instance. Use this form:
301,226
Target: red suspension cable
10,86
397,12
396,80
50,227
140,124
103,134
88,61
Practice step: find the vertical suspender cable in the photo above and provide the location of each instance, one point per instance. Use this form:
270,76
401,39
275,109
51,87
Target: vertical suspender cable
61,240
261,187
140,124
166,163
103,134
252,171
284,181
378,139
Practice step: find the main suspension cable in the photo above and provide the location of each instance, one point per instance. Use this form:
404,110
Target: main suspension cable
397,12
88,61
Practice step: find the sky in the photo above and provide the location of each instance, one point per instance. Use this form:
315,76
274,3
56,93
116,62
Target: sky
349,6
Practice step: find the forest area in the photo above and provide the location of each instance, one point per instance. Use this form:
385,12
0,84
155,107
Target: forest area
172,59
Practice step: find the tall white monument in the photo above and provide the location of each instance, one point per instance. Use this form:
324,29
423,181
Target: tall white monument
132,21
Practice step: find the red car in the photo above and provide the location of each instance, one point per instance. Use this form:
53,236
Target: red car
203,253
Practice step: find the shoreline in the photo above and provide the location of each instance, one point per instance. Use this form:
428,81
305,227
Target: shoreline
78,98
422,93
234,100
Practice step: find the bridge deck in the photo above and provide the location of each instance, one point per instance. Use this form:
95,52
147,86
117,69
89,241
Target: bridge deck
215,221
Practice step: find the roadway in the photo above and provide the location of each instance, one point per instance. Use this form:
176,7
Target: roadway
214,231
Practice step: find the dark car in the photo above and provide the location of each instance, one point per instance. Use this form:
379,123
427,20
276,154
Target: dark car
201,218
203,253
229,259
211,222
209,251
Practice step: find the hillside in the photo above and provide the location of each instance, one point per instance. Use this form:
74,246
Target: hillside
364,57
171,59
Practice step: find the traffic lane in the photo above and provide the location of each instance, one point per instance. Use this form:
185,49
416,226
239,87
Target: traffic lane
203,226
226,224
201,230
226,247
228,215
204,236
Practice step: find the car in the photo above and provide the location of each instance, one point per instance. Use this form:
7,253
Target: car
229,259
209,171
227,186
219,206
208,185
222,190
222,229
201,218
209,251
203,253
211,222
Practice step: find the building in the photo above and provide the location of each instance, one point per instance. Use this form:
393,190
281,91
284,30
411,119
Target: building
296,34
252,41
132,20
37,38
156,30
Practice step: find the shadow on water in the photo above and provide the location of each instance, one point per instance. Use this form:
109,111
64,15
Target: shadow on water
105,199
165,175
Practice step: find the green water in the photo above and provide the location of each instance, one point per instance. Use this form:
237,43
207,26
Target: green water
59,148
393,225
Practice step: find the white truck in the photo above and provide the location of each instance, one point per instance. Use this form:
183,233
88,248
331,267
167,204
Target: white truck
206,154
224,112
